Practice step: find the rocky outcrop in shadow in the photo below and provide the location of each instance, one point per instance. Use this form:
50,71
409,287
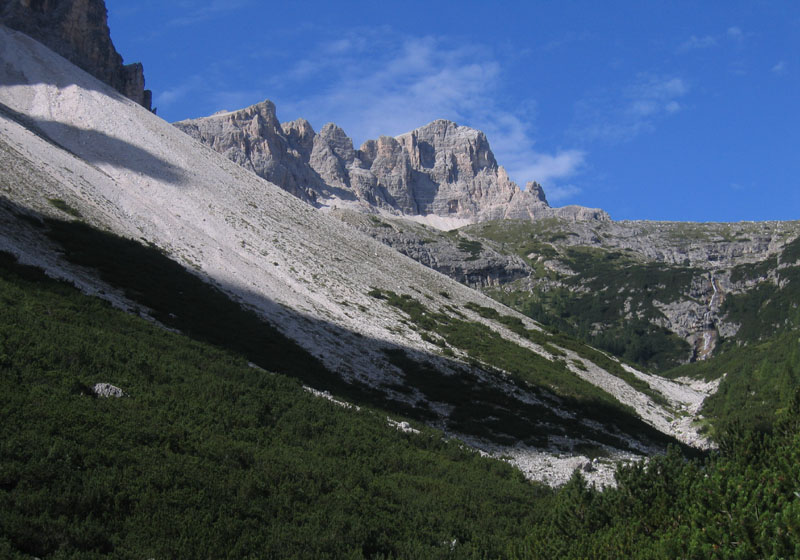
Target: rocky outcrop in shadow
78,31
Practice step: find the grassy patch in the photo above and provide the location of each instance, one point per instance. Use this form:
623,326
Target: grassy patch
472,247
64,207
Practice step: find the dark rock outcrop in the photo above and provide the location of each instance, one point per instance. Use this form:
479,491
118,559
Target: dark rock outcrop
461,257
78,31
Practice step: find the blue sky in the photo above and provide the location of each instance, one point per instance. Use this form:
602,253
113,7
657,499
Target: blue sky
649,110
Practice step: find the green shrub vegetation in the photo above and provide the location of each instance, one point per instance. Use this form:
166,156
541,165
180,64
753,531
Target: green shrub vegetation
766,309
759,381
64,207
547,340
527,368
209,457
472,247
606,304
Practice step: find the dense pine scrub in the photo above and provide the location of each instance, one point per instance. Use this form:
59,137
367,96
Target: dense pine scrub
743,502
208,457
759,381
485,411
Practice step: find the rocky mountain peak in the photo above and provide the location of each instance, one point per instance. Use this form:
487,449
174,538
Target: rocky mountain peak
264,109
536,190
440,169
78,31
338,141
300,136
462,144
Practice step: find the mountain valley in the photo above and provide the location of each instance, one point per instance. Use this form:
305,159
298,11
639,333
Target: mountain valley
332,351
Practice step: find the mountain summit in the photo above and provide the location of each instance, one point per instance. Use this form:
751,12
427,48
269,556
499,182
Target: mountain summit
441,172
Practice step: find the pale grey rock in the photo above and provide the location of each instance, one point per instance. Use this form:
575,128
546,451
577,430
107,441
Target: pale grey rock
255,139
445,253
440,169
107,390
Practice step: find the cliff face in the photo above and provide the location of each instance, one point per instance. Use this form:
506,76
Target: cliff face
440,169
78,31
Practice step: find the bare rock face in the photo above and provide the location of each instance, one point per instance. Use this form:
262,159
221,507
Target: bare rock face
440,169
78,31
107,390
461,257
255,139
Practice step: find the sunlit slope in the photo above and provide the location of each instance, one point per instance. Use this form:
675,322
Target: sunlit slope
76,150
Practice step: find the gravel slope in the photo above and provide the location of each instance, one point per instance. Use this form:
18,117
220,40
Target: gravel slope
65,135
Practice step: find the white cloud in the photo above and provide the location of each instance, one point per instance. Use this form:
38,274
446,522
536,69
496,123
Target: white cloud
212,89
734,32
171,96
779,68
616,115
561,193
406,82
543,168
694,42
203,10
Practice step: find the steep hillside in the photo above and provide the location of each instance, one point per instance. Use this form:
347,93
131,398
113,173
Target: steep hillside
79,160
720,297
205,455
672,292
201,453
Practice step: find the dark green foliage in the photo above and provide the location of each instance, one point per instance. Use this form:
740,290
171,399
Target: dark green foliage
527,368
547,340
614,283
378,222
791,252
608,302
183,301
210,458
759,382
472,247
740,503
766,309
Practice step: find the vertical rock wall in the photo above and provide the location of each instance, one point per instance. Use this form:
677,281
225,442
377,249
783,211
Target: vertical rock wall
78,31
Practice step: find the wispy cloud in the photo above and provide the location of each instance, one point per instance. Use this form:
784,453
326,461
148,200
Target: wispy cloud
175,94
196,11
734,32
406,82
545,167
561,193
694,42
617,115
213,88
732,35
779,67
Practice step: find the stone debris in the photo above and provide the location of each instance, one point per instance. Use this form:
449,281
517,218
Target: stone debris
308,274
328,396
107,390
402,426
